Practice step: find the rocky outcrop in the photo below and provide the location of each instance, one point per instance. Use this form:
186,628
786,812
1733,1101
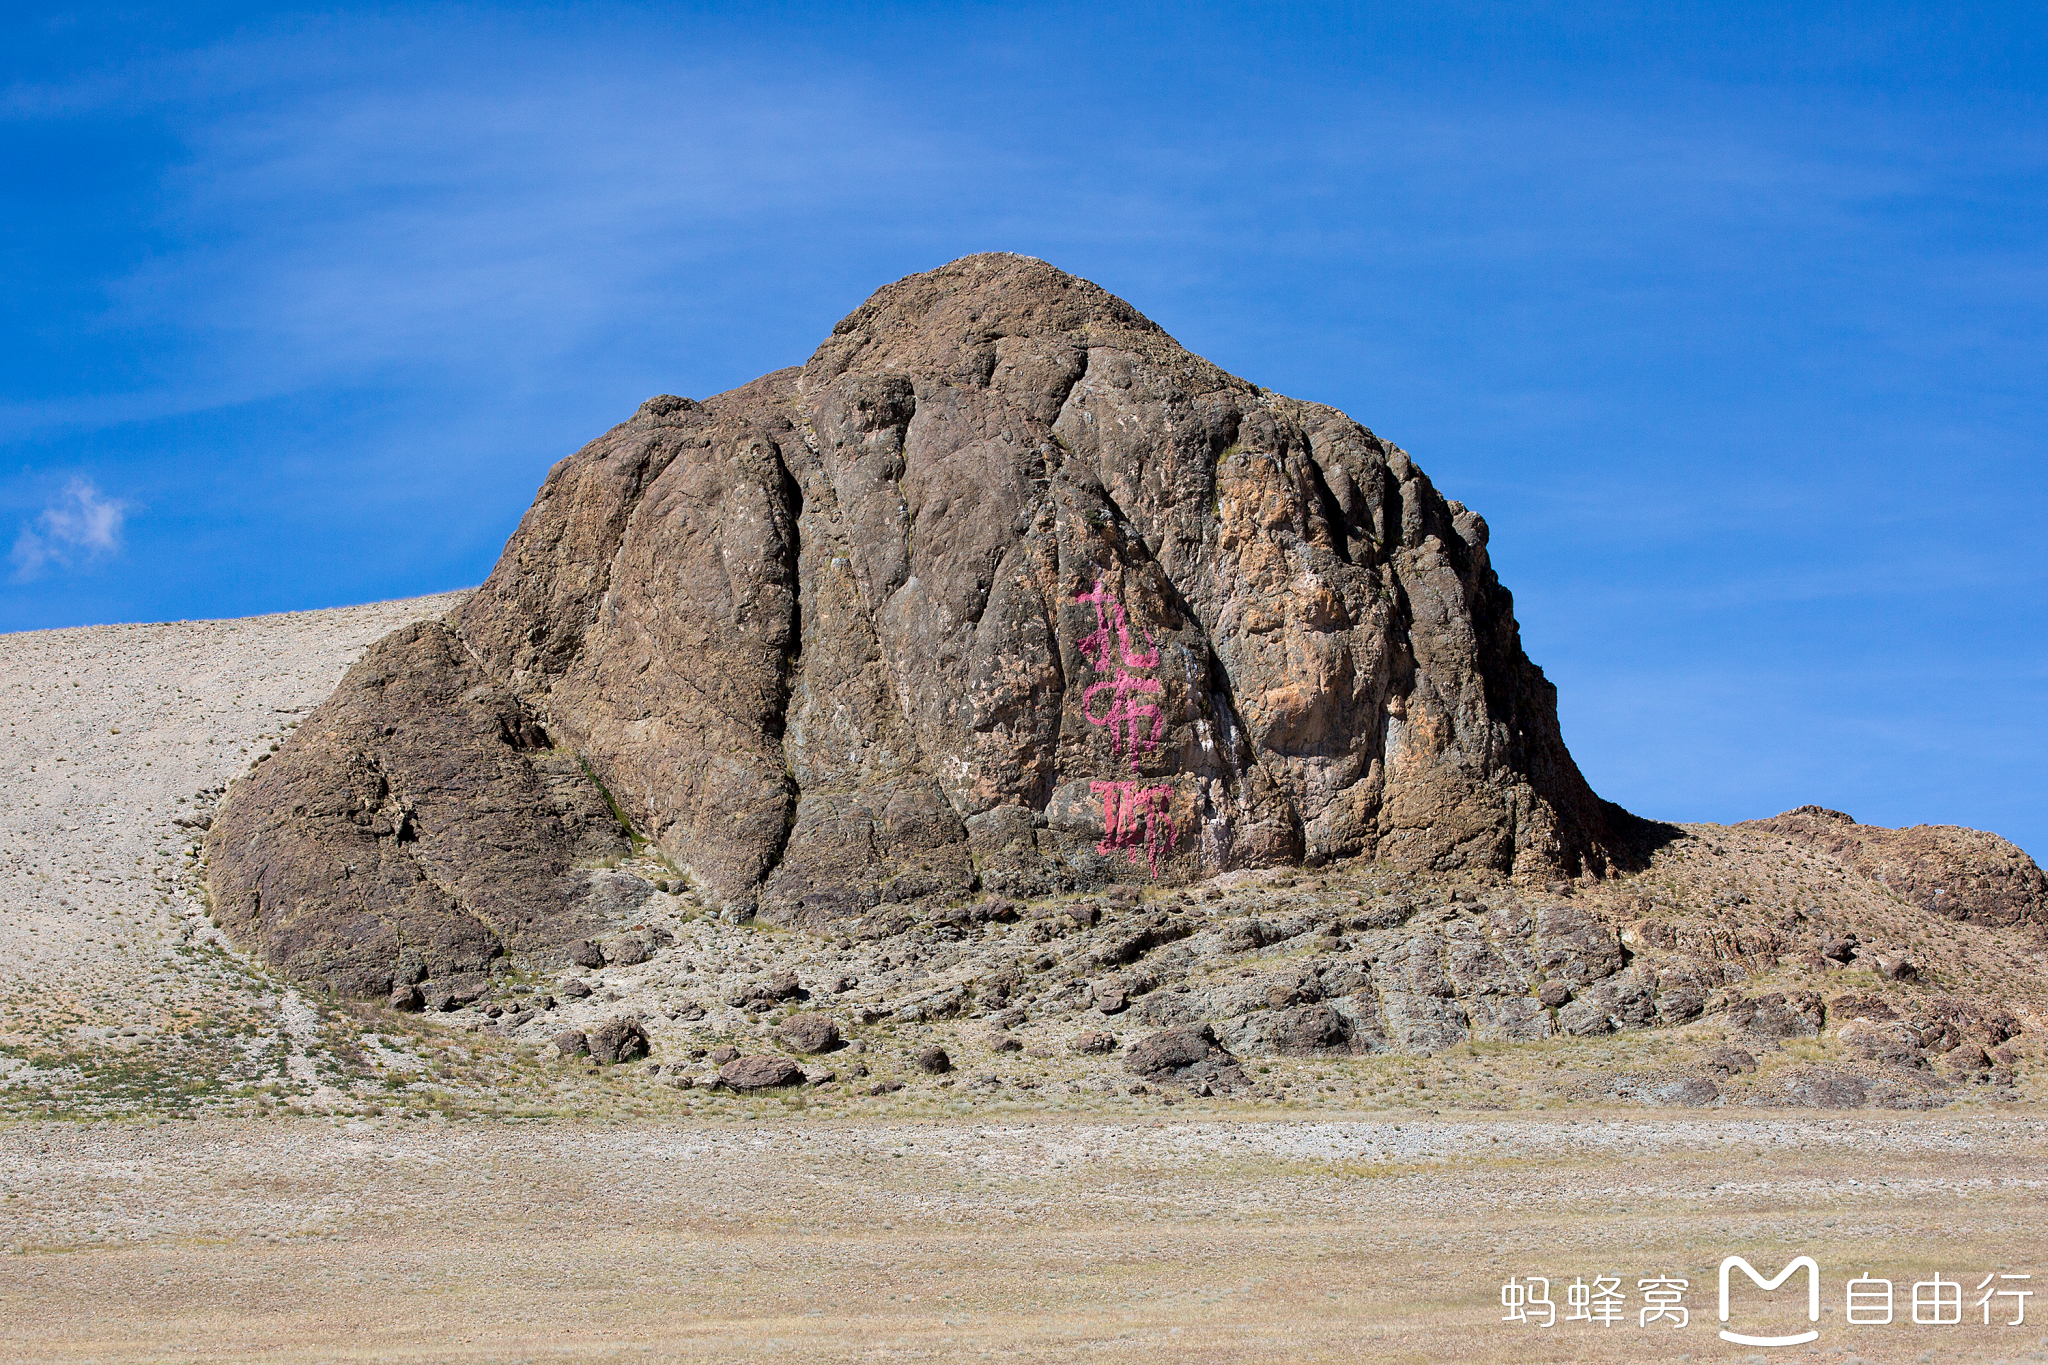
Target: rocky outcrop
417,825
1002,590
1960,874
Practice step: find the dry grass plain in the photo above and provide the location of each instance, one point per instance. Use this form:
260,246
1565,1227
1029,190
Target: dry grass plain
1255,1238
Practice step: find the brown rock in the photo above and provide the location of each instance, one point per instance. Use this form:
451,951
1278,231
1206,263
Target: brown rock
809,1033
760,1073
572,1043
1963,874
1093,1041
418,810
1729,1061
617,1040
1119,552
934,1061
1552,994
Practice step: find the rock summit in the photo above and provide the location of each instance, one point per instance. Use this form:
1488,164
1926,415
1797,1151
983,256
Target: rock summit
1002,591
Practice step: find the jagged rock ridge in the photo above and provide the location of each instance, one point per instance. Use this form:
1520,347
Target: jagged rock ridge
1002,590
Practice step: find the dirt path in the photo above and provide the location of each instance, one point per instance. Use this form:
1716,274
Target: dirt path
1355,1240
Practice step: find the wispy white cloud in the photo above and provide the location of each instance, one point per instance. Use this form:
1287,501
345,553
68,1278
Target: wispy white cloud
82,525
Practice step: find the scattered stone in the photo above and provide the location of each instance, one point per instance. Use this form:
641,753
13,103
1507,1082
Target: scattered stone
572,1043
586,953
407,998
1004,1042
767,992
764,1072
1093,1041
575,988
1728,1061
809,1033
934,1061
618,1040
722,1054
689,1011
1554,994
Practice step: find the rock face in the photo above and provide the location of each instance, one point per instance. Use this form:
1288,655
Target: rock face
1002,590
417,825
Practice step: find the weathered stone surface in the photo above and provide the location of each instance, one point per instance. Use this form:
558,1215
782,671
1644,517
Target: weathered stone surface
1963,874
617,1040
1002,587
934,1061
764,1072
809,1033
418,817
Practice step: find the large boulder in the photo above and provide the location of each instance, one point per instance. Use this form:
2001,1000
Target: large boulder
1003,587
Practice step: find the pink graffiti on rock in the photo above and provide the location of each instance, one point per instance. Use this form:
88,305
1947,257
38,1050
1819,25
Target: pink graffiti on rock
1128,712
1095,645
1136,819
1127,715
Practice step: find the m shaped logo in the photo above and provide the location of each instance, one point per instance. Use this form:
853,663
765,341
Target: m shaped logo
1805,1263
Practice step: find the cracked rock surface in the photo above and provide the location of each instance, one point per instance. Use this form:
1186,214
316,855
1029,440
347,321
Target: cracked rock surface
1002,591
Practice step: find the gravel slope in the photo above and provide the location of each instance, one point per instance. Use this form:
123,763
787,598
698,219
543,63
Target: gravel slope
109,733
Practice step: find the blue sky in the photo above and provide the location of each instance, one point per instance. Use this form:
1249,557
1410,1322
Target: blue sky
1729,318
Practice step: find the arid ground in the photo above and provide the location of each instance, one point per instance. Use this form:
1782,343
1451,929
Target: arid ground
1255,1238
202,1163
